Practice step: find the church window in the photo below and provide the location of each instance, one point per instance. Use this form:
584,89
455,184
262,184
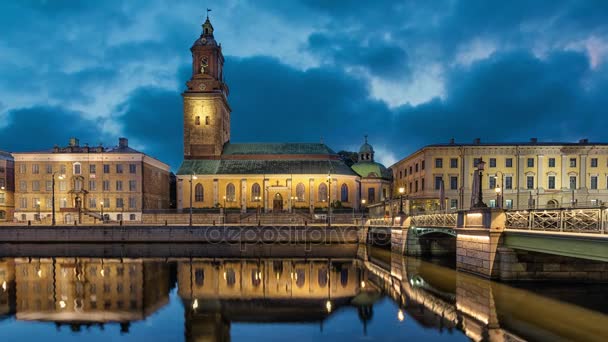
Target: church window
371,195
197,120
300,190
322,192
207,120
344,193
255,192
230,192
199,194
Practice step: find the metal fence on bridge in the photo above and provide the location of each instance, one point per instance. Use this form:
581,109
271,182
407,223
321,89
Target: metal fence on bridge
592,221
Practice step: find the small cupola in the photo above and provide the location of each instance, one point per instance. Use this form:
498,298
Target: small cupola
366,152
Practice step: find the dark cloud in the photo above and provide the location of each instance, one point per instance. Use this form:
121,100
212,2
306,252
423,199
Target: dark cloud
41,127
153,118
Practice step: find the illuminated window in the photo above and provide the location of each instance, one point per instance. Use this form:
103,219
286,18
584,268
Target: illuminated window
322,192
344,193
207,120
199,194
230,192
300,190
197,120
255,192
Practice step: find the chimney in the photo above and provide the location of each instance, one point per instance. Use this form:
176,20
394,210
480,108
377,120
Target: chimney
583,141
477,141
123,142
533,140
451,141
74,142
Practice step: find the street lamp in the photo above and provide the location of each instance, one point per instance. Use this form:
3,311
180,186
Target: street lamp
192,177
53,195
38,208
102,219
401,191
258,200
329,200
362,209
480,167
499,190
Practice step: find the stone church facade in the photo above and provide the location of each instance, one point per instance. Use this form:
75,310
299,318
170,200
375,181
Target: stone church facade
271,177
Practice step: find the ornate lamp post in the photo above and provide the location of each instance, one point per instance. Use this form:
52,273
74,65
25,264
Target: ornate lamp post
53,196
480,168
401,191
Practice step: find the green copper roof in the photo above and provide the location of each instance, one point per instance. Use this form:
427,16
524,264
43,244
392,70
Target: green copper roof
371,169
236,167
276,148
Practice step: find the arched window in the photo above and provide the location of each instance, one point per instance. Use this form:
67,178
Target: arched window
197,120
300,190
371,195
199,277
344,193
199,194
323,277
207,120
344,277
300,277
230,277
230,192
255,192
256,277
322,192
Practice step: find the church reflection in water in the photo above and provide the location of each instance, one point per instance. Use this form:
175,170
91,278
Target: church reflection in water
77,292
218,292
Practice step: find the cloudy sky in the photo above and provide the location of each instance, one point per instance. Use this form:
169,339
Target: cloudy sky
407,73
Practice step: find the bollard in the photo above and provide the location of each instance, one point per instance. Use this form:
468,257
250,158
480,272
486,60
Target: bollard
121,222
166,223
75,222
259,223
305,223
29,222
214,222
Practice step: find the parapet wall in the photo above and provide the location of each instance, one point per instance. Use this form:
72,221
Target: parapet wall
201,234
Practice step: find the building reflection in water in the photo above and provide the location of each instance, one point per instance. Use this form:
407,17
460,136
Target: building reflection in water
88,291
218,292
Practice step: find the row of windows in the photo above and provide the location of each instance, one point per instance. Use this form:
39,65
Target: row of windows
77,185
199,192
36,203
508,182
77,168
492,163
256,277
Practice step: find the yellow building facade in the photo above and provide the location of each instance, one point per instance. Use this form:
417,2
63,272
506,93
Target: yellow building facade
118,182
7,186
516,176
271,177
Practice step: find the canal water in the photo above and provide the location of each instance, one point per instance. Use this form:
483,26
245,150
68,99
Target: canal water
278,293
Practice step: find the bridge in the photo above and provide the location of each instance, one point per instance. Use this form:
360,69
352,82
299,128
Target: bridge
568,243
484,310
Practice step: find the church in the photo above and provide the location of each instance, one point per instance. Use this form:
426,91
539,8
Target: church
271,177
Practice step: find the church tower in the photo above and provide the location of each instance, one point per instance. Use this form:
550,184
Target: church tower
206,108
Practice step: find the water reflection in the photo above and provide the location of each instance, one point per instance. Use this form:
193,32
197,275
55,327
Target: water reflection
219,293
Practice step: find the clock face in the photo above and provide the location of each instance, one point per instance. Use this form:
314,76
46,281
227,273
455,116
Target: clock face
202,86
204,40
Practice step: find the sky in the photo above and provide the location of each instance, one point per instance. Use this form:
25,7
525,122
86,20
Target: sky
405,73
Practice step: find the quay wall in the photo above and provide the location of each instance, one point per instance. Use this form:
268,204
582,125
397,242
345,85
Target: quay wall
193,234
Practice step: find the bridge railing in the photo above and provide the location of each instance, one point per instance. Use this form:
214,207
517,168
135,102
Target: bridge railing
589,220
443,220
